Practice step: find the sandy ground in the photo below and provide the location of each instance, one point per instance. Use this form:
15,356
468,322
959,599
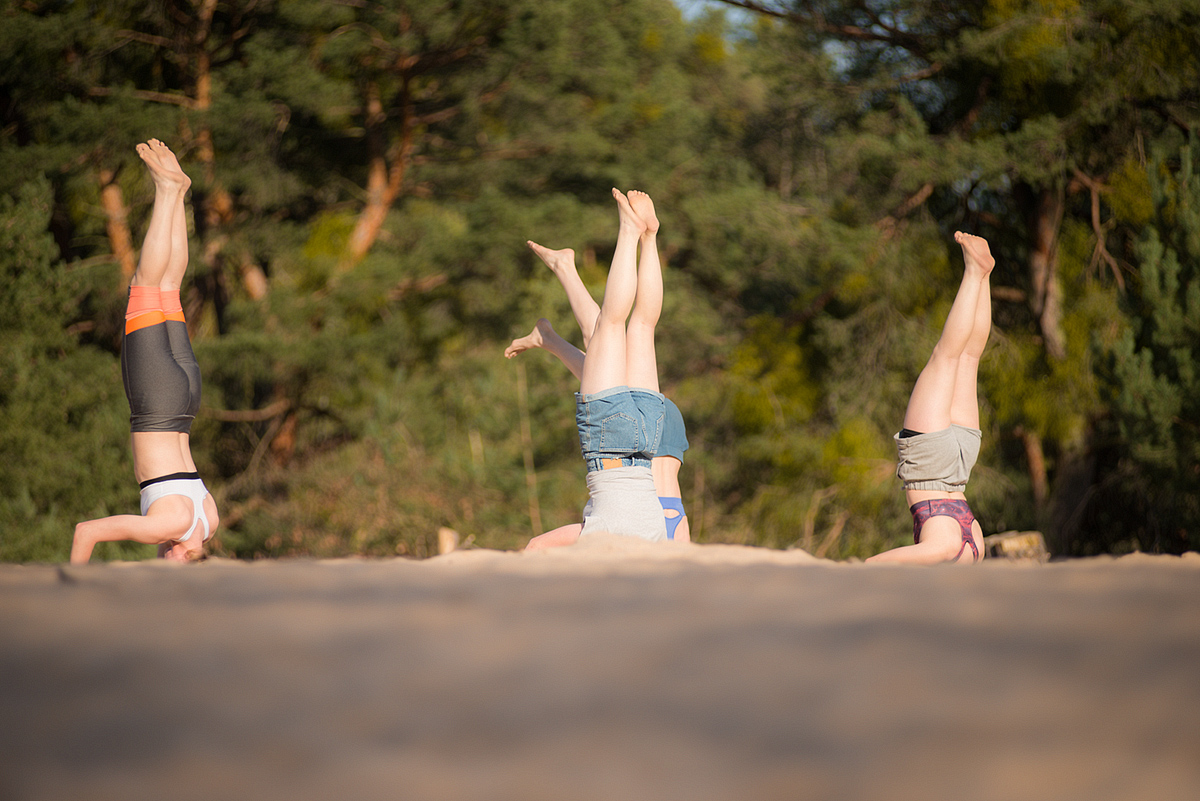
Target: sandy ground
601,672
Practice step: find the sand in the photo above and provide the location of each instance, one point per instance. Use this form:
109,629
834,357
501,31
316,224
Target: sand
602,671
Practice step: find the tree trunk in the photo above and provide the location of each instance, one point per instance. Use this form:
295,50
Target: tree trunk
218,207
383,182
1045,218
1074,481
531,486
1035,456
117,221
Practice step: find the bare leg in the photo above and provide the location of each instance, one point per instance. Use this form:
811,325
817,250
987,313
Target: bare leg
583,305
163,248
964,409
545,337
930,406
604,366
563,535
640,361
164,259
162,262
941,541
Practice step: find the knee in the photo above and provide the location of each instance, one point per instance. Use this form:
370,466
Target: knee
642,326
944,356
610,318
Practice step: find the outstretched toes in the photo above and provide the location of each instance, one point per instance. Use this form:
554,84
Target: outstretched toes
976,253
557,260
628,217
533,339
643,206
164,167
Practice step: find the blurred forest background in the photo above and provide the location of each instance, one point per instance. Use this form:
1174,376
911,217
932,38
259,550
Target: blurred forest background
365,175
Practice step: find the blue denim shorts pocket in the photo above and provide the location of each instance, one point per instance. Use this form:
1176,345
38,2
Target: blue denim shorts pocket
650,414
620,433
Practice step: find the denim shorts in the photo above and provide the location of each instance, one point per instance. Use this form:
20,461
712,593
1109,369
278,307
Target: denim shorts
674,438
619,423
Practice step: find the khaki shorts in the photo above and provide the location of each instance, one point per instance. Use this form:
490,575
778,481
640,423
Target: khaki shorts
940,461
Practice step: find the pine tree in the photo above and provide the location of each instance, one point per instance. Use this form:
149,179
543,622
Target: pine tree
1156,368
63,417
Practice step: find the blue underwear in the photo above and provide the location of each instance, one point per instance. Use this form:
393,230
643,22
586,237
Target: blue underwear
675,504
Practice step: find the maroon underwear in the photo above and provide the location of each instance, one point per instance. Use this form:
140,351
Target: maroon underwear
945,507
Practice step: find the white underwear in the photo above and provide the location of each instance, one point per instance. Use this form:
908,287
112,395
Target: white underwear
624,501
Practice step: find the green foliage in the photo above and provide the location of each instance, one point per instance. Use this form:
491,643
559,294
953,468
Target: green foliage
1153,376
63,419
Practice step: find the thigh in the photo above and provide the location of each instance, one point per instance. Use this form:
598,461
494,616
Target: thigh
604,366
932,396
641,363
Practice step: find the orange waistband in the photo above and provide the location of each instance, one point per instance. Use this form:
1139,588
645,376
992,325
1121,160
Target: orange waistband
149,305
145,320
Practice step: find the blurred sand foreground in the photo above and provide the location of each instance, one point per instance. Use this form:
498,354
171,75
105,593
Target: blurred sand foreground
601,672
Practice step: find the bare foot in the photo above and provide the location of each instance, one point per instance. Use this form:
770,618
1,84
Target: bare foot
534,339
643,206
559,261
976,253
164,167
628,217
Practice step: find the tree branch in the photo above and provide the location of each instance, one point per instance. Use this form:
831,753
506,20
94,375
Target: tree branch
142,94
249,415
1099,228
815,20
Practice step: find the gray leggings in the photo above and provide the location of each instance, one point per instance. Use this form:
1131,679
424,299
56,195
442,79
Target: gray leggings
162,378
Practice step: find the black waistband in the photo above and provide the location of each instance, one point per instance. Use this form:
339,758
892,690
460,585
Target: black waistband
167,477
905,433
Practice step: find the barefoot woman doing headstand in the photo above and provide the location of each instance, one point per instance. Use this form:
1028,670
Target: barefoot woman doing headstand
940,440
162,383
668,459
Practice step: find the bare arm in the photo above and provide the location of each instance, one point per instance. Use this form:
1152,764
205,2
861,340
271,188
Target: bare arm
168,520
